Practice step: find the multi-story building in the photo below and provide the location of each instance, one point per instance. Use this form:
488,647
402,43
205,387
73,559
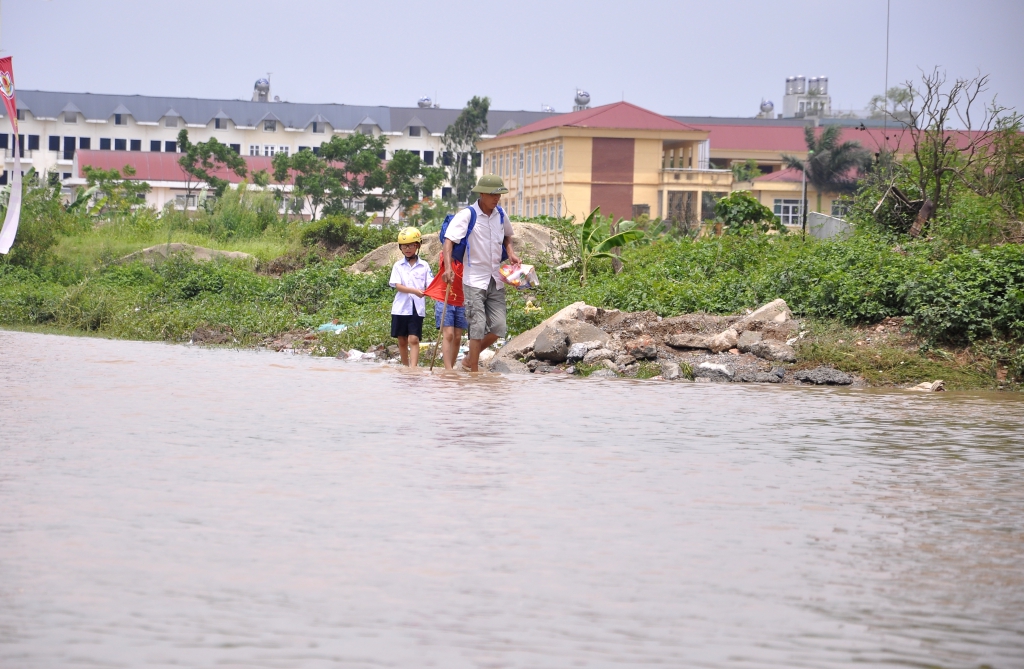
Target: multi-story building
620,157
54,126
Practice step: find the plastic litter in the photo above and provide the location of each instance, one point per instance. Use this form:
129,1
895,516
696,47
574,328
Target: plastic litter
522,277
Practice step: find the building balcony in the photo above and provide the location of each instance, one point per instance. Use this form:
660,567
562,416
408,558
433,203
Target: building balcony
684,177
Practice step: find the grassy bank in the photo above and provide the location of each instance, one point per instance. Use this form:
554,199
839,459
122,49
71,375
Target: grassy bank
960,310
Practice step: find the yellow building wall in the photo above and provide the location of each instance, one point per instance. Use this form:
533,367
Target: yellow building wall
647,159
576,170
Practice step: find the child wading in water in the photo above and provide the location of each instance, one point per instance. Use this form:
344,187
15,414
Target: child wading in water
454,314
409,277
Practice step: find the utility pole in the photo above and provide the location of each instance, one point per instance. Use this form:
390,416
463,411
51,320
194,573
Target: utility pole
803,198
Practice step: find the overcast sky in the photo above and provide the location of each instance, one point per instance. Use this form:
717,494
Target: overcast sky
686,57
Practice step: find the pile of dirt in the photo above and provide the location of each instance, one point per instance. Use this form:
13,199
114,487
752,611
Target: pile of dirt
161,252
532,242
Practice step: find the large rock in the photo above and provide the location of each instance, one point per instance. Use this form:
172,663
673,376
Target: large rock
582,332
642,348
747,339
715,371
776,311
507,366
687,340
523,342
723,341
161,252
603,374
597,355
770,350
669,370
578,351
824,376
551,345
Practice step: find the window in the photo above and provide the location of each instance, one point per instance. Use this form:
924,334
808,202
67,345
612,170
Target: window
69,148
303,148
520,170
4,136
428,157
71,117
316,150
237,148
414,131
54,142
171,122
3,178
120,119
283,149
33,142
120,144
476,160
171,147
270,126
544,159
254,149
85,142
65,175
788,211
446,191
559,157
318,127
551,203
104,143
180,202
268,150
536,160
154,145
446,158
383,155
519,201
136,145
220,123
529,164
558,200
21,114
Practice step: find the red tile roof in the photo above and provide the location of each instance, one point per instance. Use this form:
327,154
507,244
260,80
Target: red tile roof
790,139
620,115
153,166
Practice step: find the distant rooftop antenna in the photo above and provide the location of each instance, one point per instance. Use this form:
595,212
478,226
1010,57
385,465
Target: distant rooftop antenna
548,109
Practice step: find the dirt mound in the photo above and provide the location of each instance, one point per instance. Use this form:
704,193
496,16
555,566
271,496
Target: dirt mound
532,242
161,252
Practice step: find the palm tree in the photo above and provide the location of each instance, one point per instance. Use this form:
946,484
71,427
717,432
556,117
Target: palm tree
832,167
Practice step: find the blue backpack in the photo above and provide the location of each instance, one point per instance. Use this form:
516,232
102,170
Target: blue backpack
459,250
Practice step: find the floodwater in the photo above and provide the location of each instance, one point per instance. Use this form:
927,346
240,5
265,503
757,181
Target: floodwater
170,506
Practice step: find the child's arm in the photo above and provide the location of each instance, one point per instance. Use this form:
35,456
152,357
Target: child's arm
406,289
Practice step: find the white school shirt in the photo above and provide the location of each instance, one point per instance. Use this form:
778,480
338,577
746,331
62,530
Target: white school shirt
414,276
484,245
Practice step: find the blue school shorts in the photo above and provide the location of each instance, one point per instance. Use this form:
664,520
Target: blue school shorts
453,317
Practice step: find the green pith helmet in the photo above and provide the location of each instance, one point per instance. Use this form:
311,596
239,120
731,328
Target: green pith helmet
490,184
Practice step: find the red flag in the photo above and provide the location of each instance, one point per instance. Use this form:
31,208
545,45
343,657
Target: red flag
10,228
438,289
7,91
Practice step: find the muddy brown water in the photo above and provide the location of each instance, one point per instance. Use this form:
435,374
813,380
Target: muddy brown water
168,506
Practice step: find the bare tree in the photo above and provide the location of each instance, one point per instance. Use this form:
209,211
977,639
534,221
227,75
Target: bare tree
951,133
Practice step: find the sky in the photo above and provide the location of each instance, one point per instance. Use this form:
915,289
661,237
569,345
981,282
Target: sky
679,57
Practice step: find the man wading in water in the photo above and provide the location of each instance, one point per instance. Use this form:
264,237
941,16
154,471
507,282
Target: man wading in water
481,278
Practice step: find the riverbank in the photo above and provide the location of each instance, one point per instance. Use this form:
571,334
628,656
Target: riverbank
889,313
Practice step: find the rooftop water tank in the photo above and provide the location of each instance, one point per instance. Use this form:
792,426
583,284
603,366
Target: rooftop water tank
582,97
425,102
767,106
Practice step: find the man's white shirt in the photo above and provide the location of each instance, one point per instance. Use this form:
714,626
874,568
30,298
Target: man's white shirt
484,256
417,276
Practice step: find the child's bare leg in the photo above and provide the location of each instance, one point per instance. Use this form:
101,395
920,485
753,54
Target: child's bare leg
446,346
414,351
403,350
454,346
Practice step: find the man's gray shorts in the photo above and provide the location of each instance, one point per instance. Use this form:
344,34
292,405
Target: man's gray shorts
485,310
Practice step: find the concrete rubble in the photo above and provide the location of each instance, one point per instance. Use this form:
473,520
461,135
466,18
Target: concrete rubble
751,348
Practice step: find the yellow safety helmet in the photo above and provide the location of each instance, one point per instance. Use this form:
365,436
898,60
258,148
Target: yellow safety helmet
409,236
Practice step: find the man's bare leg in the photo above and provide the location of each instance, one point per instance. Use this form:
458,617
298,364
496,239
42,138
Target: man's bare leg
472,360
414,351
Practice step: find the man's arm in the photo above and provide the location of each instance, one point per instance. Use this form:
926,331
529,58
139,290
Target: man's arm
449,269
512,257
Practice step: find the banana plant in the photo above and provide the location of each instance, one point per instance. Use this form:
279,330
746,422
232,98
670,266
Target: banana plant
595,242
83,196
